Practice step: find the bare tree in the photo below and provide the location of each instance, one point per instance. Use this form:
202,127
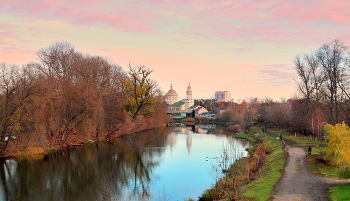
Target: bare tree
332,59
304,71
16,88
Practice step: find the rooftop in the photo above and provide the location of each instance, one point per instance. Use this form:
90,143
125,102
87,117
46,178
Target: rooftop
178,103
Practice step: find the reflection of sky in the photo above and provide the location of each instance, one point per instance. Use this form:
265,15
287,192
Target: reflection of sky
183,171
176,162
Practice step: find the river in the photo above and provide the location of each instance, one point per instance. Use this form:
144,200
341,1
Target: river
169,164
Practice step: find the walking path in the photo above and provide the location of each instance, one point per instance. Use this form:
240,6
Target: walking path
298,183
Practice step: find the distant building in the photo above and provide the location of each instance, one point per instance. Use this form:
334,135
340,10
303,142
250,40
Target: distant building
182,108
223,96
178,106
188,101
171,96
200,110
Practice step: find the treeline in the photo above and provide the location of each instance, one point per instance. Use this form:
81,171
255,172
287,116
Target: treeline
69,95
323,83
323,80
237,116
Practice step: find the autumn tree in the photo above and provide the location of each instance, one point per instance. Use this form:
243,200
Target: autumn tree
82,93
338,147
17,86
252,109
65,97
68,95
141,91
226,116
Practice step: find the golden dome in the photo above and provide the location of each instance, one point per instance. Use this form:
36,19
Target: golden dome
171,92
189,87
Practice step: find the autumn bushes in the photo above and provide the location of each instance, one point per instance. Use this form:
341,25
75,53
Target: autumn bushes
337,151
68,96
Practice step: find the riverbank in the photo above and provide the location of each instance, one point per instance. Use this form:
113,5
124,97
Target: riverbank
35,147
252,177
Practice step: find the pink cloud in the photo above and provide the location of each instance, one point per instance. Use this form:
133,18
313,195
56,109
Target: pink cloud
86,13
4,26
281,22
276,75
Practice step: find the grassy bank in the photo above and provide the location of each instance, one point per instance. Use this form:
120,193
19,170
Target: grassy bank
269,175
265,164
340,193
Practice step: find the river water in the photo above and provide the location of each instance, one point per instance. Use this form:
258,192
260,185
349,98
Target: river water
170,164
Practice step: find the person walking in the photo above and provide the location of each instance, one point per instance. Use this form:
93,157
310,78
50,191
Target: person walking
309,150
281,136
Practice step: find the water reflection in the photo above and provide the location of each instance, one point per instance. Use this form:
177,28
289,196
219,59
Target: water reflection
135,167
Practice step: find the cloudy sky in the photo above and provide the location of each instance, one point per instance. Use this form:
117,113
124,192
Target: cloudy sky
246,47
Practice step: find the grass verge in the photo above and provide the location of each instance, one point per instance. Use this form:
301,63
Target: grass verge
242,135
301,140
322,169
261,188
340,193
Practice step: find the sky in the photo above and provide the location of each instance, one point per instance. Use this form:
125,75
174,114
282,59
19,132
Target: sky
245,47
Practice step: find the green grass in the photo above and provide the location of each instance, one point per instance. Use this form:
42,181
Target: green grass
261,188
340,193
322,169
317,149
255,129
303,141
242,135
51,150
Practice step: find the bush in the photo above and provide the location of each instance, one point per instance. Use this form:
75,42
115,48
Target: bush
208,195
236,119
344,172
51,150
235,128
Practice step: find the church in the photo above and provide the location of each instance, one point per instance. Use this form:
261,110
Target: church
171,97
183,107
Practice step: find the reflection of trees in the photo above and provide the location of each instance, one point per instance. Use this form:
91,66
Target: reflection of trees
97,172
219,130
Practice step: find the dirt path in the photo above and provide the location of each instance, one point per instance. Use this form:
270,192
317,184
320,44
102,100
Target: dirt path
298,183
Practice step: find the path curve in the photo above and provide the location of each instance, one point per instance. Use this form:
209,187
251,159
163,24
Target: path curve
298,183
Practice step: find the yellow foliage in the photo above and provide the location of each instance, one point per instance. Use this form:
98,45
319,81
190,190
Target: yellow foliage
141,91
338,149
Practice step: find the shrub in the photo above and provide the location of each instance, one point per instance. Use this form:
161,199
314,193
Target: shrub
338,148
52,150
344,172
208,195
235,128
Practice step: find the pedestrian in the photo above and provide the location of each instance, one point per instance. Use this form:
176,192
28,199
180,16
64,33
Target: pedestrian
281,136
309,150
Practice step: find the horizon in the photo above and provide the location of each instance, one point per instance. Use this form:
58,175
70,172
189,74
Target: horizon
244,47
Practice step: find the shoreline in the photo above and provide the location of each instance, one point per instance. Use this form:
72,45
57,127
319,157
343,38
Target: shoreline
39,152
